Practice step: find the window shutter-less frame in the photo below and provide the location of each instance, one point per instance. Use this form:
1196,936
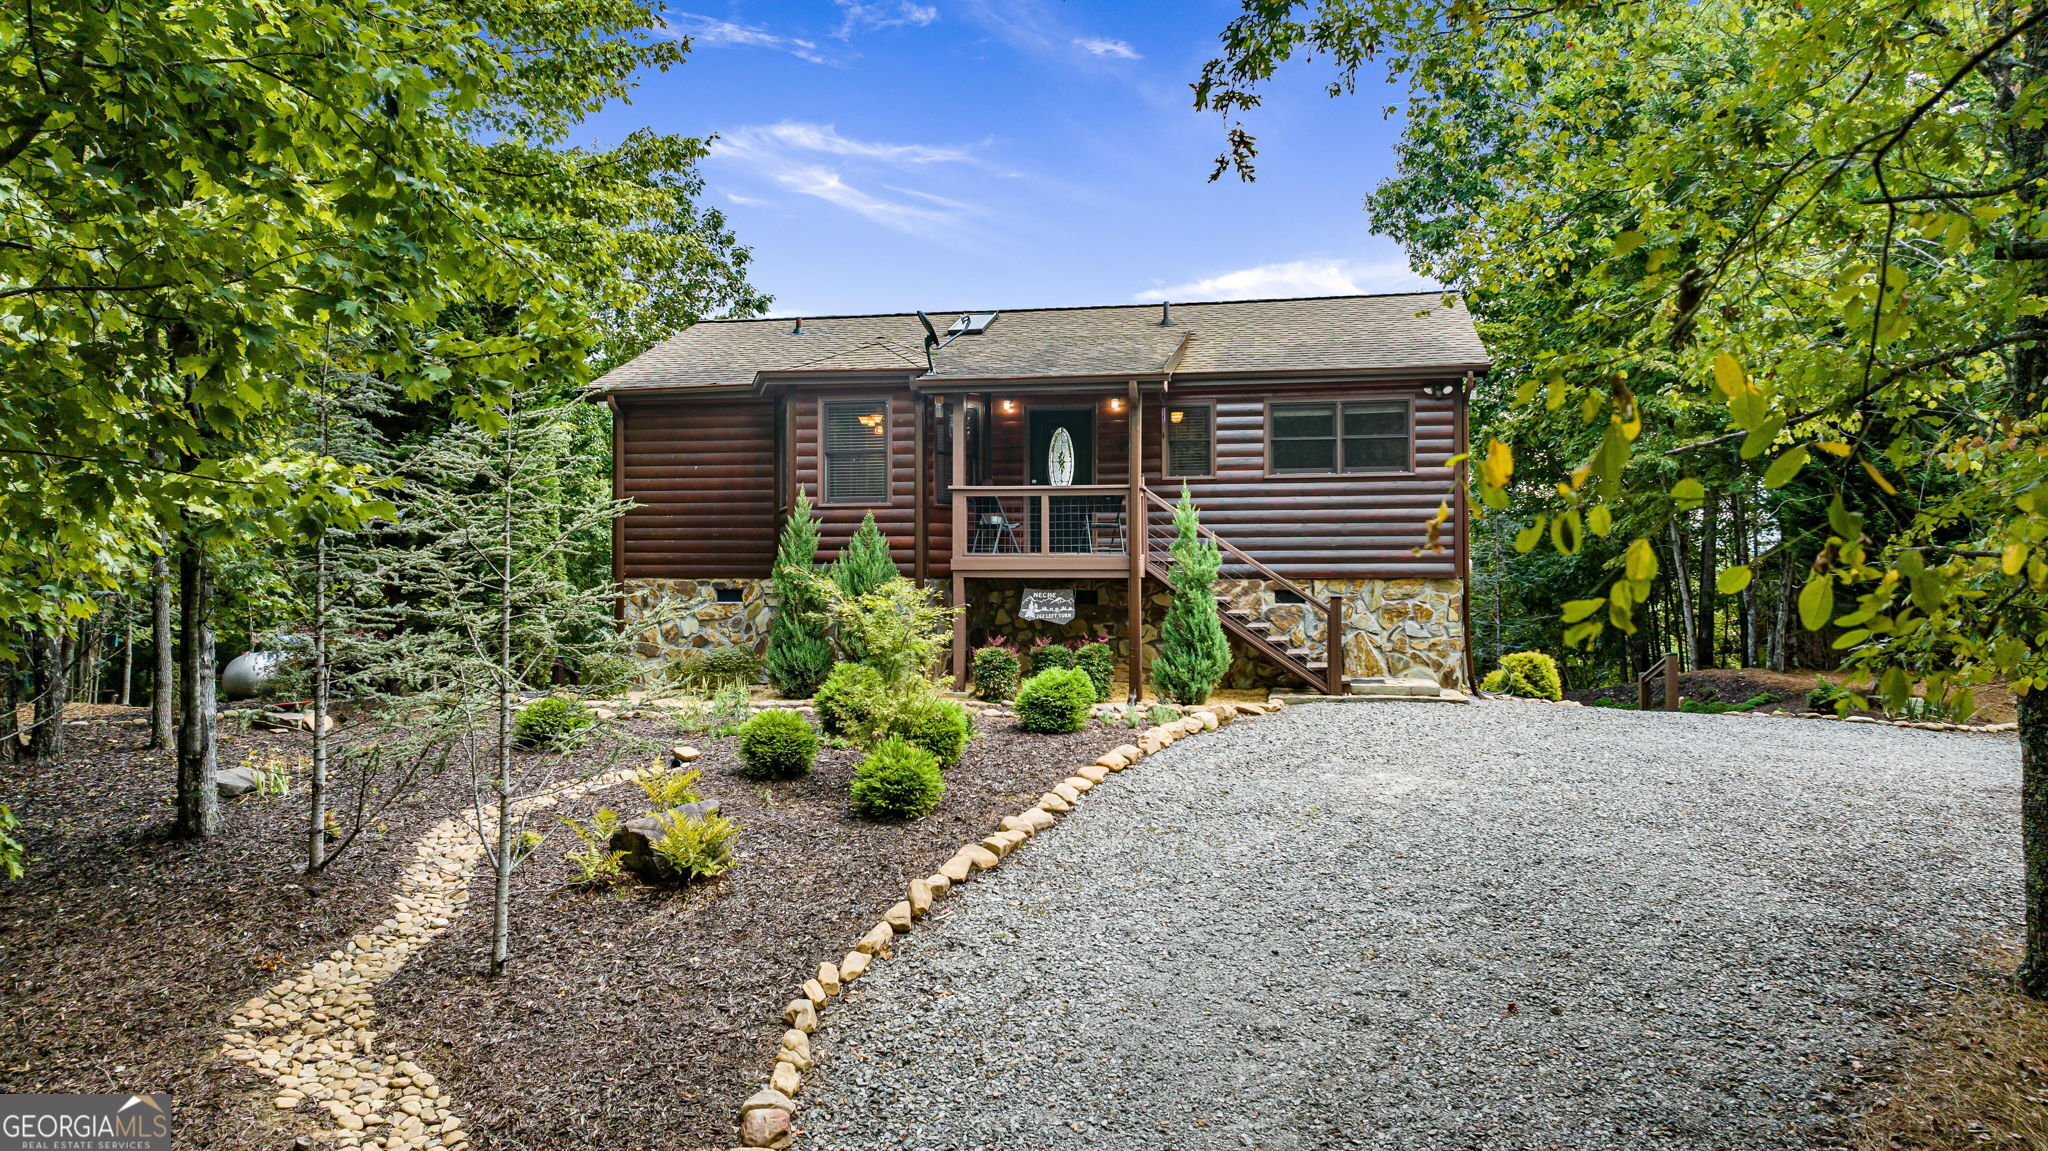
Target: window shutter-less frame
1189,440
856,452
1330,438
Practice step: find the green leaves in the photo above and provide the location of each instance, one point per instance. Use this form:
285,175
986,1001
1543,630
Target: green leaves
1817,602
1732,580
1688,493
1785,468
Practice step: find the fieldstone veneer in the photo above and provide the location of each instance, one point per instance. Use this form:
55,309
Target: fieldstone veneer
1399,627
669,617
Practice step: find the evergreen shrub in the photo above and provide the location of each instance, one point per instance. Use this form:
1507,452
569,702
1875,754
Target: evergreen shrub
1056,701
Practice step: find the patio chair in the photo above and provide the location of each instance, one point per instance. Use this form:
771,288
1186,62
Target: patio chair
1106,532
992,528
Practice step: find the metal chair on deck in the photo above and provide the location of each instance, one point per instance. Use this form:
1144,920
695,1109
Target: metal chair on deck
992,528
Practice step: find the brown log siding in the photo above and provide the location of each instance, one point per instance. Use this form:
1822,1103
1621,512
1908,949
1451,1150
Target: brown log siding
703,472
898,517
1351,526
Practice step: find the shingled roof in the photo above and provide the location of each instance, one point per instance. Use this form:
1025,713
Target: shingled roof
1411,331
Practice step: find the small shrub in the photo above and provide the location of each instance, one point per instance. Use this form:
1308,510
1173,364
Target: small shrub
595,861
693,716
1159,715
668,787
940,726
550,722
1529,674
695,847
1049,656
717,668
996,670
849,699
274,770
1099,662
1824,695
1056,701
897,780
777,744
1616,704
610,673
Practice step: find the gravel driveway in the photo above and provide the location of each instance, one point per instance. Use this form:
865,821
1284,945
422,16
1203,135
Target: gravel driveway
1504,925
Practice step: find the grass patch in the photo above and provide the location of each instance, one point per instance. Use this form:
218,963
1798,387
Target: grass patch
1974,1074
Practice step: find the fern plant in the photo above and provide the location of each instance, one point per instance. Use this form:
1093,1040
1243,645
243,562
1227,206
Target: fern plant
594,860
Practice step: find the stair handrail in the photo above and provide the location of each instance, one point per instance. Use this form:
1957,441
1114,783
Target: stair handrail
1335,681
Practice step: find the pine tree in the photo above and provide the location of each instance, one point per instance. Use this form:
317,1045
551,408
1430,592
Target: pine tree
799,654
863,567
1193,651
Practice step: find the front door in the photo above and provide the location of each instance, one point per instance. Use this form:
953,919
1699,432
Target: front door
1080,425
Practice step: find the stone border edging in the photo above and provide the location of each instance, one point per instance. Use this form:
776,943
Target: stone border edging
313,1033
767,1117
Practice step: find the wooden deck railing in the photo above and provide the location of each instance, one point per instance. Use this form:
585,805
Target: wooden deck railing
1042,530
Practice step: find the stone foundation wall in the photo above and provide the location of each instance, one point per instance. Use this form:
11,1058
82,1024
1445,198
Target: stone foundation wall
1411,628
668,617
1406,627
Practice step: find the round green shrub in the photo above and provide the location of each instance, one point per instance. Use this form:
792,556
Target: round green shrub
610,672
996,668
940,726
1056,701
1530,674
897,780
550,722
1047,656
1100,663
777,744
849,699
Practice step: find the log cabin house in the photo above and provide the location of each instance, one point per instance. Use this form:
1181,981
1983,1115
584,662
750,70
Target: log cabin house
1040,451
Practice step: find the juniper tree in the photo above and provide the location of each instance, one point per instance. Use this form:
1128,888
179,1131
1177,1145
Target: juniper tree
799,654
863,567
1193,651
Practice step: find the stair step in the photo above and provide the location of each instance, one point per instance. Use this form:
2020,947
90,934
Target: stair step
1237,613
1300,652
1317,665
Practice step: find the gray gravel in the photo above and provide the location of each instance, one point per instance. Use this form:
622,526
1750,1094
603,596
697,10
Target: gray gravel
1506,925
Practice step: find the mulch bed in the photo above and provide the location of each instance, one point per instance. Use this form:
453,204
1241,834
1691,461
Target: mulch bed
123,953
640,1018
630,1018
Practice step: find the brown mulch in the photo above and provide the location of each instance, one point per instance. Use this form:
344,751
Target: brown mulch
641,1018
1737,684
1972,1072
630,1018
122,953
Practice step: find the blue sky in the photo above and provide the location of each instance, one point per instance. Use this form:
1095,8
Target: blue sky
947,154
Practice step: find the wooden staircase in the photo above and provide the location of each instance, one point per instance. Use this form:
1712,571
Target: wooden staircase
1321,671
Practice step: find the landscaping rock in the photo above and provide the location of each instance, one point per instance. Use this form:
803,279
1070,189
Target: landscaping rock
980,857
786,1078
957,869
940,884
899,916
815,992
1051,802
853,966
828,977
1080,786
237,781
920,896
766,1127
879,937
636,837
801,1015
1093,773
678,756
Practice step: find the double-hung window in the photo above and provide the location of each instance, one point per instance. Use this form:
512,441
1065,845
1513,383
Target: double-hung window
1338,436
856,451
1190,439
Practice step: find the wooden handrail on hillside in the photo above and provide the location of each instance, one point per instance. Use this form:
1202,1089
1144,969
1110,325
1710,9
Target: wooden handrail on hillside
1158,543
1668,668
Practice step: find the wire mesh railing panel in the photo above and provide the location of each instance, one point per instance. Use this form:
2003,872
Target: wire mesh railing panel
1086,524
1001,525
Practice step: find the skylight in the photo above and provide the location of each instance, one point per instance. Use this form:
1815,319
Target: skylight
971,324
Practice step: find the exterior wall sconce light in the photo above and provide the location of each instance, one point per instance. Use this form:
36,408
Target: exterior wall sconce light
1009,406
1116,403
1176,415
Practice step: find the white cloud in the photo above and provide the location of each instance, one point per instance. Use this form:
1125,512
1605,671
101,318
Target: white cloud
866,17
709,32
1102,47
815,160
1298,278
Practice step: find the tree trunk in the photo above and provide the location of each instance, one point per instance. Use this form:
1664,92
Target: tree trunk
1745,554
10,707
1703,643
165,680
2032,977
501,895
1681,580
1781,627
50,682
316,798
198,800
127,651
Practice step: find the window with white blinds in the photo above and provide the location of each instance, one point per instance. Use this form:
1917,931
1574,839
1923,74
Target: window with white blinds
1189,441
856,452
